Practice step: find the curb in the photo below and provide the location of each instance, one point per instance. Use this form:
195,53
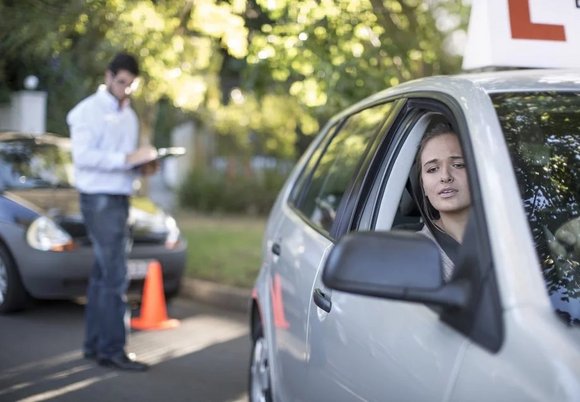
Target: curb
216,294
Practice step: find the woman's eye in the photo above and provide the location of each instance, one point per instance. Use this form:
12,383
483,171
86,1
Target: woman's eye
432,169
459,165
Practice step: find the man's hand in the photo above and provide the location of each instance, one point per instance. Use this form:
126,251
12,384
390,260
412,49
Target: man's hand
149,168
142,155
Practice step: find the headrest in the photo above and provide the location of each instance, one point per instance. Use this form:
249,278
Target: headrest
408,206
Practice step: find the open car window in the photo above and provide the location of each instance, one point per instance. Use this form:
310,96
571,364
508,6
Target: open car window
399,209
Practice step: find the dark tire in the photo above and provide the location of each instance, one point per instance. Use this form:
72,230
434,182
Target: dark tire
259,385
13,296
172,294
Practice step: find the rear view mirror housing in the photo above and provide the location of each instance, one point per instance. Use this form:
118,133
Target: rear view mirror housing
393,265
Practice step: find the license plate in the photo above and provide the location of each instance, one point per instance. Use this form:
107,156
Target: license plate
137,269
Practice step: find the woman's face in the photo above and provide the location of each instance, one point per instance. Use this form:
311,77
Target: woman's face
443,174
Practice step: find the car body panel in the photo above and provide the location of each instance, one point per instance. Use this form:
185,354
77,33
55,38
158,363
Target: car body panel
537,362
270,291
54,275
345,338
377,349
291,284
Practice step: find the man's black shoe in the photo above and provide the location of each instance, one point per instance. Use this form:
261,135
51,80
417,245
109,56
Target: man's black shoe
90,355
123,362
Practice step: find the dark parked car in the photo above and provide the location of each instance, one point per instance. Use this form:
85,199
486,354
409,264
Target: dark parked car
45,252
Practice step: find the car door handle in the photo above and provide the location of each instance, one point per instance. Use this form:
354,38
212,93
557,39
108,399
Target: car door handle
322,300
276,249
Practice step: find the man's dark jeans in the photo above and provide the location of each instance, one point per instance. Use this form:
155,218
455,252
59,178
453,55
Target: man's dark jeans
106,217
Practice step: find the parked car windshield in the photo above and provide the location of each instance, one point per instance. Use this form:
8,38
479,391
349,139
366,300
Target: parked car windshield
542,131
27,164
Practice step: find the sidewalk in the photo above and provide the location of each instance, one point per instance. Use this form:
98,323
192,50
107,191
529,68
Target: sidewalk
224,296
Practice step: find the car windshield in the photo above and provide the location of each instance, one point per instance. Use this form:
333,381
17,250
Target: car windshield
542,131
27,164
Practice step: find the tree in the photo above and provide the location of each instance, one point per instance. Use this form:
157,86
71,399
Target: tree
70,42
328,54
264,74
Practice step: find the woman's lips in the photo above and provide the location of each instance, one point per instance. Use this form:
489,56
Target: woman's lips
447,192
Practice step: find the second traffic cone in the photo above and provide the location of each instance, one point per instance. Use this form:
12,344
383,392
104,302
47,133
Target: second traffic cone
153,314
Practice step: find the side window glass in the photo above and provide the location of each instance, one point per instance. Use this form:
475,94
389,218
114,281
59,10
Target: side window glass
306,174
542,132
338,164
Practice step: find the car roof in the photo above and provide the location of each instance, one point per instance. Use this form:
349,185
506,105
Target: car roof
525,80
507,81
43,138
462,85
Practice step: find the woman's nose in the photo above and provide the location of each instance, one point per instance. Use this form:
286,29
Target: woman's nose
446,177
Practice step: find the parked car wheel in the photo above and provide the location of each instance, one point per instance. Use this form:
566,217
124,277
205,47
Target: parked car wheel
13,296
260,370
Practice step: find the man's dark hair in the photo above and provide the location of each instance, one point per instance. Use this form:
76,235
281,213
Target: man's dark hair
124,61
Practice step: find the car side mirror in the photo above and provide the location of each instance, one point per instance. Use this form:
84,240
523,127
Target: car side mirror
394,265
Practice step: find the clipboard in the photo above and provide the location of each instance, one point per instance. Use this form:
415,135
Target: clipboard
163,153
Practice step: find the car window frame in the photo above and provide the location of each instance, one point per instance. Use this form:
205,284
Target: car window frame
348,201
482,320
357,191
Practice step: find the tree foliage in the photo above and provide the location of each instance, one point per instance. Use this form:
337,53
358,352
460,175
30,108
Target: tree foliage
263,73
328,54
71,41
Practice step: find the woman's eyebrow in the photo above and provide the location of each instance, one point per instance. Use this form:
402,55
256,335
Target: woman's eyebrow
435,160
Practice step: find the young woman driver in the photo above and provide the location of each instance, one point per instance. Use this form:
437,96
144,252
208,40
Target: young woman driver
444,189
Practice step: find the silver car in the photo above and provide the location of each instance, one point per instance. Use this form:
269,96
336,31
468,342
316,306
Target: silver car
351,304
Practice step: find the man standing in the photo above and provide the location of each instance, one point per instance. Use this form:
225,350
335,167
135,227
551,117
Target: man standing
105,135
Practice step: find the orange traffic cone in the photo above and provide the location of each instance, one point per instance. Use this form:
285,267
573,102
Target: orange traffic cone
153,309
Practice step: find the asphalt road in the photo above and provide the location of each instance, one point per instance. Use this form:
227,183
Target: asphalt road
205,359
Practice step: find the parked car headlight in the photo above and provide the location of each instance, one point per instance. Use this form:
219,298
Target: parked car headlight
158,223
44,234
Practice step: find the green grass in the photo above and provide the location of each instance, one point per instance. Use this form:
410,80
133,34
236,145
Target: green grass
223,249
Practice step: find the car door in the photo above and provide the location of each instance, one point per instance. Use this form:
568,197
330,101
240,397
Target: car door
305,234
540,354
373,349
